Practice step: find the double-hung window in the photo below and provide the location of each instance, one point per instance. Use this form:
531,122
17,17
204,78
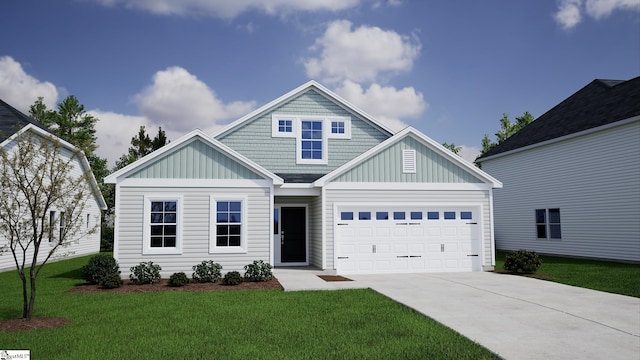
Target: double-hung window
311,140
548,224
162,225
229,225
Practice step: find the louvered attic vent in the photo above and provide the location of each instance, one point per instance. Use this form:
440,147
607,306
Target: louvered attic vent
409,161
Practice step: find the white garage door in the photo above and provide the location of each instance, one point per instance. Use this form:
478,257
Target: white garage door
388,239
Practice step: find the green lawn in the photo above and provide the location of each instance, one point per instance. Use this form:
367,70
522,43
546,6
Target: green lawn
613,277
262,324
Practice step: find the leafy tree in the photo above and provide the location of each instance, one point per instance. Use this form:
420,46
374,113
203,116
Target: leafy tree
71,123
455,149
35,180
142,145
507,129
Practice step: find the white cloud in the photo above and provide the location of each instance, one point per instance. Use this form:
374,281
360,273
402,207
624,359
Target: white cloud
469,153
570,12
360,55
21,90
230,8
178,100
387,104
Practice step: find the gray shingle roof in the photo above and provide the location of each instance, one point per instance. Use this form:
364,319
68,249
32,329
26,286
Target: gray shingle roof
599,103
11,120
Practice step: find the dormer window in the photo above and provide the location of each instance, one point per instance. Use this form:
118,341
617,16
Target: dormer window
311,133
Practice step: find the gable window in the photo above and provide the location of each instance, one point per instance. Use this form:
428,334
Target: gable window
311,140
337,127
285,126
312,134
228,224
548,224
162,225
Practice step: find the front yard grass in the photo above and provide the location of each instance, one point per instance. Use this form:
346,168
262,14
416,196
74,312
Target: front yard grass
608,276
262,324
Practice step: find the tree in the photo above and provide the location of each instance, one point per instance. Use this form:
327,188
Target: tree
142,145
455,149
507,129
71,123
38,179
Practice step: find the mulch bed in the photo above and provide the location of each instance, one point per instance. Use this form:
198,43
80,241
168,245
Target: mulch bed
333,278
11,325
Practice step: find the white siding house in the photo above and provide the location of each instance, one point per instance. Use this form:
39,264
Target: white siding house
306,180
12,123
572,177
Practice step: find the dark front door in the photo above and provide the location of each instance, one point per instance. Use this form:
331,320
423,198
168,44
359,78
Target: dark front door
293,231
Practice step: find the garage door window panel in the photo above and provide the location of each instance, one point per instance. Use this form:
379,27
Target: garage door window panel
449,215
433,215
399,215
364,215
382,215
346,215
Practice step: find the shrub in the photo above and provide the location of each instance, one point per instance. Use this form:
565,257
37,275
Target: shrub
99,267
232,278
522,262
207,271
145,273
258,271
111,281
178,279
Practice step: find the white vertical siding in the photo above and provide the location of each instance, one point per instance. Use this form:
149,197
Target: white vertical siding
409,197
195,236
595,182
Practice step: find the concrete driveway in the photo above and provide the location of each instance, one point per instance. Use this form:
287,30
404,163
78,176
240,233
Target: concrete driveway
518,317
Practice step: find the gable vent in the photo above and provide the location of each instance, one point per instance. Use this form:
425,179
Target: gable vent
409,161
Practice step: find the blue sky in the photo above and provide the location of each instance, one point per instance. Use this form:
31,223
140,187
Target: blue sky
447,68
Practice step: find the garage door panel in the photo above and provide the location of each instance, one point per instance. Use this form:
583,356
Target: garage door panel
422,241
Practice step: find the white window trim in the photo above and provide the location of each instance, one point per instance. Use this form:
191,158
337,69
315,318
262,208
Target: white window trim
244,241
146,230
275,128
296,123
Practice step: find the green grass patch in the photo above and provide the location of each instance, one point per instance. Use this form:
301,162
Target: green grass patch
609,276
263,324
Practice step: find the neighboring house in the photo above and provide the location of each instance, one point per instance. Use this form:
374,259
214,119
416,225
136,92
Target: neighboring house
572,177
12,123
306,180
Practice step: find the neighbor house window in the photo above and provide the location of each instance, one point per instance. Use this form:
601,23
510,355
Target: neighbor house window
548,224
63,225
52,224
229,225
162,226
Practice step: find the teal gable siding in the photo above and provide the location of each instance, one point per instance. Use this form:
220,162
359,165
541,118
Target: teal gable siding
430,167
278,155
195,160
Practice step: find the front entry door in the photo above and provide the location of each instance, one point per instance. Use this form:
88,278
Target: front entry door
293,235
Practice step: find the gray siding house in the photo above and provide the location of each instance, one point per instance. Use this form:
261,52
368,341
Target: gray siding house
306,180
12,123
572,177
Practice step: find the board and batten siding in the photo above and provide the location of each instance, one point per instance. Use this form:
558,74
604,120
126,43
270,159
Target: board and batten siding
195,230
431,167
80,245
594,180
278,155
195,160
453,198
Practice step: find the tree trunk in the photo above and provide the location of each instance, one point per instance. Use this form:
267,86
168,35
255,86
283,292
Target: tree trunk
25,300
32,300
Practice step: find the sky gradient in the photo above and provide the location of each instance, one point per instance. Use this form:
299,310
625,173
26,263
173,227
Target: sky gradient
447,68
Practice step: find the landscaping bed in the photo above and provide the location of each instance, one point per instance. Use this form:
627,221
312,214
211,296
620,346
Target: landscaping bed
129,287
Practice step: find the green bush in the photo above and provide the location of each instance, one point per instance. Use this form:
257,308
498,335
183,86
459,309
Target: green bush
522,262
258,271
178,279
99,267
232,278
207,271
111,281
145,273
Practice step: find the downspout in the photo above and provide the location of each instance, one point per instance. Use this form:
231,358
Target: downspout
491,231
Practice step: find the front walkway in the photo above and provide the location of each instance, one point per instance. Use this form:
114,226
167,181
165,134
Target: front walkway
515,317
